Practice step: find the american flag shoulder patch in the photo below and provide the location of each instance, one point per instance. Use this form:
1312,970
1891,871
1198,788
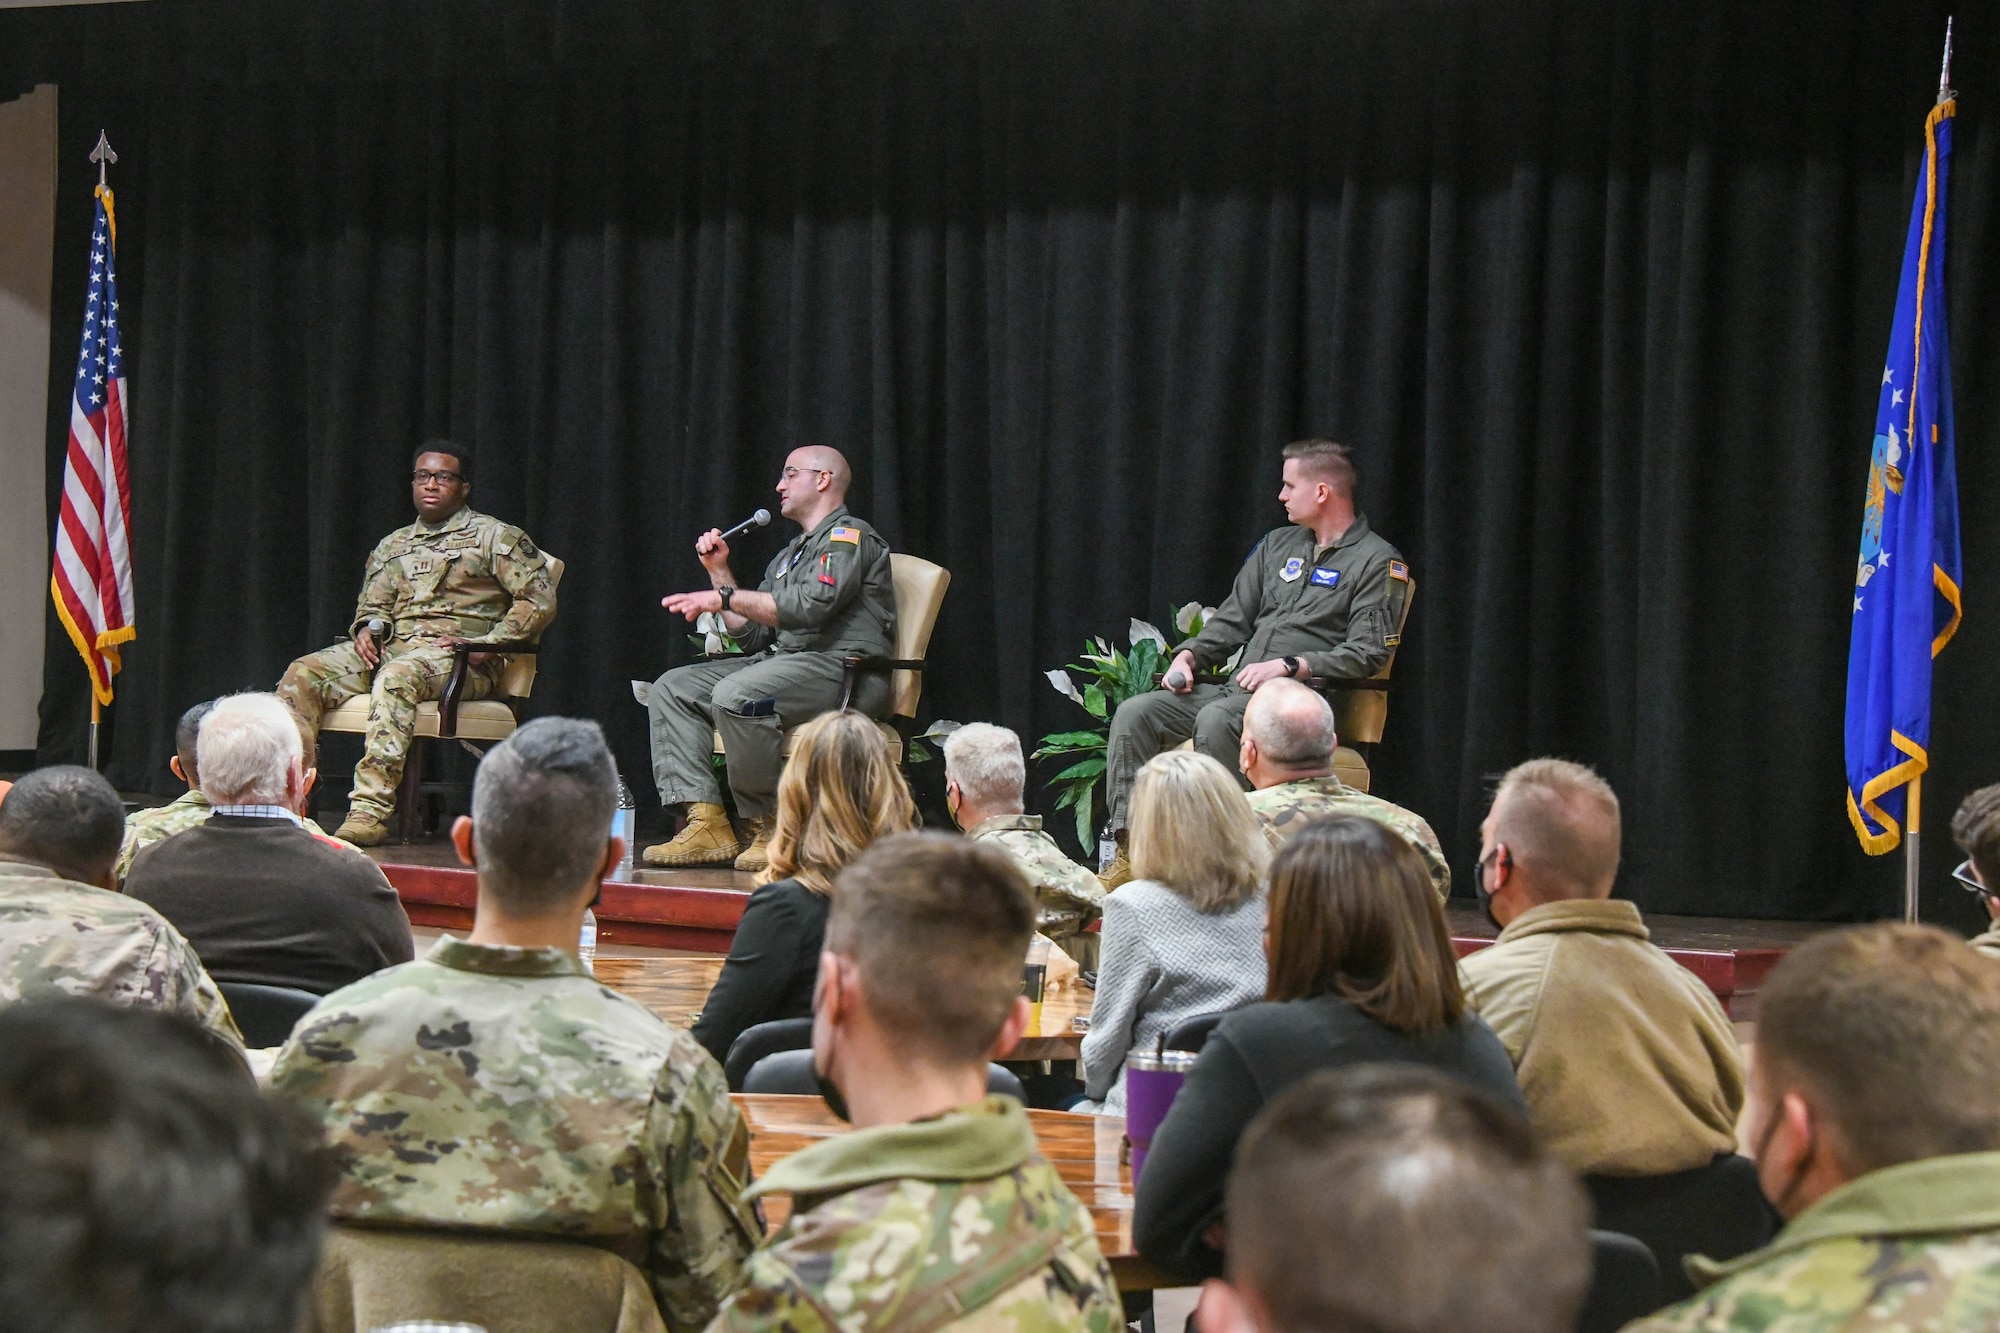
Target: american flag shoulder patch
852,536
1399,570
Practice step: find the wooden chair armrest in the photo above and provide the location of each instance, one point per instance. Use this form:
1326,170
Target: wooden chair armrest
454,688
852,667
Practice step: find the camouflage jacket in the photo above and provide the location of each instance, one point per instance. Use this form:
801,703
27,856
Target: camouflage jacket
1067,897
58,935
143,828
955,1223
1289,806
469,577
834,590
1910,1247
505,1089
1338,607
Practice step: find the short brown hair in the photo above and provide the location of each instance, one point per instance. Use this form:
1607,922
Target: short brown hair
1353,914
1329,461
840,791
1394,1197
938,927
1894,1030
1560,819
1976,830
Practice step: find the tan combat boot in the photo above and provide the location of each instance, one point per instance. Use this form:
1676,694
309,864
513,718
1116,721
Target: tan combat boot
708,840
363,830
1119,872
757,855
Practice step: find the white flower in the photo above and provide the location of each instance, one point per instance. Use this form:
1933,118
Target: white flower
941,728
1185,618
1065,686
1142,630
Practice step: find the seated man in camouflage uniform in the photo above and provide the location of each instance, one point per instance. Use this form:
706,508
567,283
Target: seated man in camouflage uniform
1874,1116
937,1212
985,777
143,828
454,576
63,924
494,1085
1287,753
828,595
1321,597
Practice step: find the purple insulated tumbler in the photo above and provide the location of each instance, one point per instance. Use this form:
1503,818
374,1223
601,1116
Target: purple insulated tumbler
1152,1081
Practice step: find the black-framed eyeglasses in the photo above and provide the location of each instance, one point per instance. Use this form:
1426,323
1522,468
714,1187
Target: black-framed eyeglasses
424,475
1968,879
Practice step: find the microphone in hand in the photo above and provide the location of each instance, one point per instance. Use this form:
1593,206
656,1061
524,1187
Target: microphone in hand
756,520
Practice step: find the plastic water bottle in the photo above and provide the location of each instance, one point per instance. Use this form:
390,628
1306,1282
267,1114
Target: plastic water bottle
625,824
586,942
1107,847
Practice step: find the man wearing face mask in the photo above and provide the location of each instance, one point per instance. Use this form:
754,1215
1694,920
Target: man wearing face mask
1628,1062
938,1211
1875,1117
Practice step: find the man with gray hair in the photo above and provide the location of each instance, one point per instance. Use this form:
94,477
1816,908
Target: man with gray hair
1628,1062
264,900
1287,754
985,778
495,1086
63,925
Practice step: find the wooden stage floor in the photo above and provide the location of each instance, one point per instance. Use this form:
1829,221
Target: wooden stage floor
697,910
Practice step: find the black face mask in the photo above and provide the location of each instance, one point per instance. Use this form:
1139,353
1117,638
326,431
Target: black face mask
834,1101
1798,1172
1485,897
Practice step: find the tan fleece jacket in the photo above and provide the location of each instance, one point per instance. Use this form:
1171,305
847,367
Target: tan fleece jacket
1628,1062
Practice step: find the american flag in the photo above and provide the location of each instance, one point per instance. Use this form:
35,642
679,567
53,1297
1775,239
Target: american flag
92,581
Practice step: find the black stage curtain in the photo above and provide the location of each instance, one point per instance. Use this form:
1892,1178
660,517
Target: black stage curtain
1600,292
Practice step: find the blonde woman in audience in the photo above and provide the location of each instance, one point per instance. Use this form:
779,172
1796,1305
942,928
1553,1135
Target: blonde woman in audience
840,792
1185,936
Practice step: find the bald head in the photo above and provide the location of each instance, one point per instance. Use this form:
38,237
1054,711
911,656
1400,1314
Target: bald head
824,458
1560,824
1290,727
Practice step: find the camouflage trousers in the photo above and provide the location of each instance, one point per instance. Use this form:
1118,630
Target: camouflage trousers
410,674
1147,724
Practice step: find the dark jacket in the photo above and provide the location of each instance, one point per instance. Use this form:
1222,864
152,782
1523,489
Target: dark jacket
263,901
771,965
1251,1057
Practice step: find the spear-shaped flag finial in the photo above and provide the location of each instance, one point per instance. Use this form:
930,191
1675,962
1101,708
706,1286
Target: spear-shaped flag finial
102,156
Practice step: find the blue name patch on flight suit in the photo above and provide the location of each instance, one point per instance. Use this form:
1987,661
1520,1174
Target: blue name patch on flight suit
1325,578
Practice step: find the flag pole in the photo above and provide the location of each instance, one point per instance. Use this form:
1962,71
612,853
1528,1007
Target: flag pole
1944,76
1912,848
96,709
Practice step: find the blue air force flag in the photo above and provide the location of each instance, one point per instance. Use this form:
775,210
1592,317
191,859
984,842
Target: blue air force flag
1906,597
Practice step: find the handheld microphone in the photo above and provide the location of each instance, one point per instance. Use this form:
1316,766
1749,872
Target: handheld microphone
379,628
756,520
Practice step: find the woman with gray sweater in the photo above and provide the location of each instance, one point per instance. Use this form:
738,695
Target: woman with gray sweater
1185,936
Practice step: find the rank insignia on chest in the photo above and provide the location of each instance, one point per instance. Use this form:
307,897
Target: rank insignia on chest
1325,578
852,536
1293,568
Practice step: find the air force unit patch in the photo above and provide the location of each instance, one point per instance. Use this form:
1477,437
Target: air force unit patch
1293,568
1325,578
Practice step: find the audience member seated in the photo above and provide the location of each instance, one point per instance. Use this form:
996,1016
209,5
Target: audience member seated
261,899
143,828
494,1085
1362,972
1976,830
63,925
1393,1198
985,779
840,791
937,1212
144,1183
1186,935
1287,754
1628,1062
1874,1115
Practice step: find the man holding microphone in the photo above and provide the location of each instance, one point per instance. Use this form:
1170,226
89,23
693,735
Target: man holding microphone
827,595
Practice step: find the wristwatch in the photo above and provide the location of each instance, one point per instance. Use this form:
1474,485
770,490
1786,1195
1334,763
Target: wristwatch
1291,663
728,591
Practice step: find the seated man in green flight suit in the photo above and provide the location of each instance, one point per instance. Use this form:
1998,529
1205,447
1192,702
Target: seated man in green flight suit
827,595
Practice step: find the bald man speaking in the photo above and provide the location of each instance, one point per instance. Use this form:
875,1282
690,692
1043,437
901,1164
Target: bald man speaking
828,595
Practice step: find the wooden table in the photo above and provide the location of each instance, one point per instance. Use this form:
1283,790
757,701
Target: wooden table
1085,1150
676,989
